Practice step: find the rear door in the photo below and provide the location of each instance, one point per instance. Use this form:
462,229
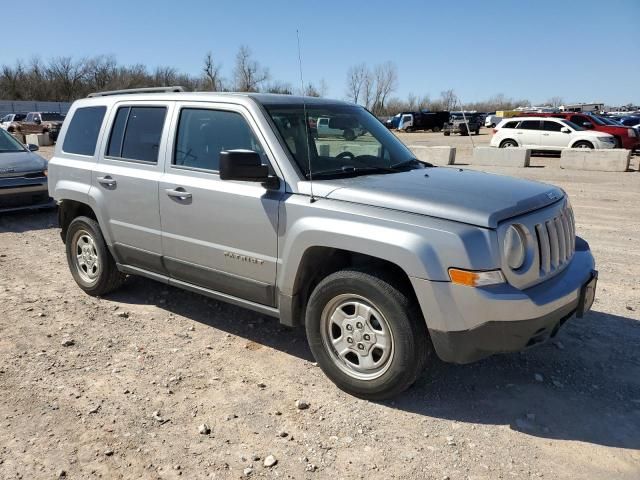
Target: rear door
552,136
125,181
218,234
528,133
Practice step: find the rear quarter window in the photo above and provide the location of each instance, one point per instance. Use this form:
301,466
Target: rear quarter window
510,125
84,128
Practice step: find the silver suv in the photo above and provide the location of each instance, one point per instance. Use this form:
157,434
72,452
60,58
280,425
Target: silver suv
384,259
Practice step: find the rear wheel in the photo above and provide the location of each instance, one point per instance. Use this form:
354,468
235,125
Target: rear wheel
583,144
92,266
435,129
366,334
508,143
446,134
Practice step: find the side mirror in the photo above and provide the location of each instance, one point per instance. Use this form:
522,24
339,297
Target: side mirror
33,147
587,124
242,165
565,130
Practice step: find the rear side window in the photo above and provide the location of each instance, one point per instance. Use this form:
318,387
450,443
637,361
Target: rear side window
136,133
551,126
82,133
510,125
530,125
203,134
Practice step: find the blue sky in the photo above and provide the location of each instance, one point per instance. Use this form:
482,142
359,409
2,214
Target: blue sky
580,50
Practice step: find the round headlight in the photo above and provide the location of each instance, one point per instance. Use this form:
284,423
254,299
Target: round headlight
514,247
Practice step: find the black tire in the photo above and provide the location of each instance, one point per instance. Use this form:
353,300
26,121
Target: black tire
349,135
435,129
446,134
508,143
493,125
582,144
477,132
108,278
411,346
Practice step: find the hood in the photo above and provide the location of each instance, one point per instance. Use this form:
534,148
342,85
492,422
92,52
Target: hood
15,163
466,196
594,133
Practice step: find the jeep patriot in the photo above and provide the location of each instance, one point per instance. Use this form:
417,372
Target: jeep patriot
385,260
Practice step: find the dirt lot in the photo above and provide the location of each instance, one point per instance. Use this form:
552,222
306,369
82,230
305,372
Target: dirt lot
118,387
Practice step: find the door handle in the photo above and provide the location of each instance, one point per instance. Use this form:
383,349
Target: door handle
107,181
545,134
179,193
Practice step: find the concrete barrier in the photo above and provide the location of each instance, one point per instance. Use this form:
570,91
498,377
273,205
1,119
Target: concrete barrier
435,155
501,157
614,160
40,139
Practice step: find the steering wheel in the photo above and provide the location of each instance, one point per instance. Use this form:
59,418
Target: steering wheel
342,155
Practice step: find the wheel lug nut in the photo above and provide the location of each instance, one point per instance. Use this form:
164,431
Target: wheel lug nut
349,327
360,346
359,325
349,340
366,337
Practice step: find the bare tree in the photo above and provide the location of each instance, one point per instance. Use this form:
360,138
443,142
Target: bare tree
248,74
555,101
386,80
68,76
211,72
448,100
282,88
356,79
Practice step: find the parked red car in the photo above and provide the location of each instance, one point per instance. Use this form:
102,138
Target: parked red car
625,137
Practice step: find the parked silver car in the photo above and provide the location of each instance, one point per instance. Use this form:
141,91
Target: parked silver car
384,259
23,176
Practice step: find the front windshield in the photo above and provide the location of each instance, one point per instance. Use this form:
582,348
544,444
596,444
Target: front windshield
576,127
52,117
9,144
346,141
609,121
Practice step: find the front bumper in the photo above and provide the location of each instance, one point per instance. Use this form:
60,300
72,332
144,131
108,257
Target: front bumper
24,194
467,324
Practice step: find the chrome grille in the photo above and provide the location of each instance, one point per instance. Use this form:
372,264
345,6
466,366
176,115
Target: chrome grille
550,234
556,241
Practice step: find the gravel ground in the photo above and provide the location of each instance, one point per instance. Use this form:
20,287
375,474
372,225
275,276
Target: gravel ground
154,382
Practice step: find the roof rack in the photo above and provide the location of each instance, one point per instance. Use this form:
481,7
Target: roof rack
138,90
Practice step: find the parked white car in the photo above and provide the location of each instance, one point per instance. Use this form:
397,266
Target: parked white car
10,118
491,120
545,133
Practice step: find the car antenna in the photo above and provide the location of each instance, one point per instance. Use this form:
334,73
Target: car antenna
306,121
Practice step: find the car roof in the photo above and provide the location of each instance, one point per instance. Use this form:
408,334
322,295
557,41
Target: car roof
530,118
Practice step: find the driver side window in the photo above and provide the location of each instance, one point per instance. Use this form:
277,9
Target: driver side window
203,134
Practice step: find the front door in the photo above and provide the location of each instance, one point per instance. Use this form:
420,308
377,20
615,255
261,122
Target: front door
125,180
552,136
218,234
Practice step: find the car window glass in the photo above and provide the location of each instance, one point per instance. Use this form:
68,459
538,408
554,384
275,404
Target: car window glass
136,133
530,125
82,133
551,126
577,119
510,125
203,134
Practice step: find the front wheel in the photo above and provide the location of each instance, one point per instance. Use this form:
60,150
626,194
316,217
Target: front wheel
92,266
367,336
583,144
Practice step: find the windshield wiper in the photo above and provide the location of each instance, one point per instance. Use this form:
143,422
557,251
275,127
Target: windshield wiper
349,170
407,163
